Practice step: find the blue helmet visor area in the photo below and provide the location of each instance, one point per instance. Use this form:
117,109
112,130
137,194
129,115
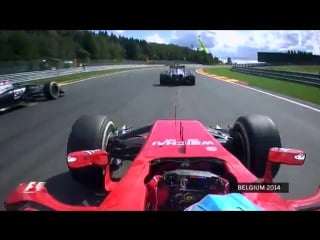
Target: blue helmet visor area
228,202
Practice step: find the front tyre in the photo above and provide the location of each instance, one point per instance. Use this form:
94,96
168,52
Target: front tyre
254,135
89,133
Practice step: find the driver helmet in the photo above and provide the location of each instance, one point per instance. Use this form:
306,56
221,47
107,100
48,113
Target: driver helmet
5,85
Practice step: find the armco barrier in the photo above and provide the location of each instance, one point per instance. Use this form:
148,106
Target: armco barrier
29,76
304,78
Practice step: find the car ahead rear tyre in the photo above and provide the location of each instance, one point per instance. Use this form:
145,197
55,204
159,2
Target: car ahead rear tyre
163,78
191,81
90,133
51,90
254,136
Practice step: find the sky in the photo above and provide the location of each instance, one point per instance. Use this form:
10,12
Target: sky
237,44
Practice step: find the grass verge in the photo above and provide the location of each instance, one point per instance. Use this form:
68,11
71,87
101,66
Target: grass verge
314,69
296,90
78,76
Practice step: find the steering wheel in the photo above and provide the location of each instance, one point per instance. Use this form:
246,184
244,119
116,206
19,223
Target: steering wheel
187,187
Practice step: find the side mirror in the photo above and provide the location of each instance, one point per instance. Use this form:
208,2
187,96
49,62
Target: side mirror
86,158
286,156
282,156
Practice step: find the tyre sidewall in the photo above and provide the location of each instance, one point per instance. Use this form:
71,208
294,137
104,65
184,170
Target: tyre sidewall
90,133
259,134
49,92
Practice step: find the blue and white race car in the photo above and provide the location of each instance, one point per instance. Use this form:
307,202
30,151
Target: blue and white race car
177,75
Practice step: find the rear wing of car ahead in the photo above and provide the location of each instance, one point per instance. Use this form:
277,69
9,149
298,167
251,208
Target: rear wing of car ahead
177,67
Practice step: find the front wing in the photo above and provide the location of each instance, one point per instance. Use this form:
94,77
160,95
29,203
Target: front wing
33,196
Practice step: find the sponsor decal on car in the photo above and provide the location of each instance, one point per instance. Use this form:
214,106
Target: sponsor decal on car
91,152
18,93
211,149
34,187
188,142
300,156
71,159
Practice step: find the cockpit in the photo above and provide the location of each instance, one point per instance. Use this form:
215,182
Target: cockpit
176,184
177,71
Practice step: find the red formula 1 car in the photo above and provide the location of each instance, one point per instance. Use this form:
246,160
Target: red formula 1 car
173,165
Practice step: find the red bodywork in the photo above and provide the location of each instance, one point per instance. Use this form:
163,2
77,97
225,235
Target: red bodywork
130,193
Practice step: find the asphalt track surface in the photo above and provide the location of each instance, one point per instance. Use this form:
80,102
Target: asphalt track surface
33,139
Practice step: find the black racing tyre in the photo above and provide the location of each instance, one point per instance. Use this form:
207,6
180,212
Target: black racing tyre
90,133
254,135
163,78
192,80
51,90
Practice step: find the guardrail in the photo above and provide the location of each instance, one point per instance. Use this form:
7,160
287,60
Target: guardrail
304,78
30,76
252,65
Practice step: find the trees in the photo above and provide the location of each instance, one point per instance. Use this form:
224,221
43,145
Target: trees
86,45
289,57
